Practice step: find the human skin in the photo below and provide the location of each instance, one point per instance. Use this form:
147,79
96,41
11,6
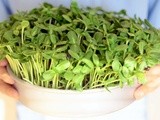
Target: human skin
153,82
152,76
6,83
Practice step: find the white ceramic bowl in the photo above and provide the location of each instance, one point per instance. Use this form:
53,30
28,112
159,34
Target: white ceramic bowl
69,103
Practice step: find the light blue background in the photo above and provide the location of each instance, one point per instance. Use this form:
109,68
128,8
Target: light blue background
142,8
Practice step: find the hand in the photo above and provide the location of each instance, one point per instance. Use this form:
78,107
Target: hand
6,83
153,82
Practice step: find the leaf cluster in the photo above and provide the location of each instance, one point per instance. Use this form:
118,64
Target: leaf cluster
73,48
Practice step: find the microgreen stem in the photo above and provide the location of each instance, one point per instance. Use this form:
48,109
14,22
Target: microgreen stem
22,36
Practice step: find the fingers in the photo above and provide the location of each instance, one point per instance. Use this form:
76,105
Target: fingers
154,70
153,82
4,76
153,73
6,81
8,90
3,73
147,88
3,63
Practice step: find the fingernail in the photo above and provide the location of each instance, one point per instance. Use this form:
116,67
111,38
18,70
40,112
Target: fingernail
139,95
3,63
7,79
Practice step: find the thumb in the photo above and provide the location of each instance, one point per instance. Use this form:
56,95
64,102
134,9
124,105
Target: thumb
146,88
5,76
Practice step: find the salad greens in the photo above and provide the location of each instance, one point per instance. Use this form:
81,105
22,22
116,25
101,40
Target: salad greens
73,48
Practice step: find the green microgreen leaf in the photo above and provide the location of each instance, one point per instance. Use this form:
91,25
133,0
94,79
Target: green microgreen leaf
24,24
67,18
88,63
142,65
130,63
141,77
77,69
74,54
68,75
72,37
78,81
62,49
121,47
63,65
98,36
125,71
141,47
53,38
95,59
48,75
85,70
59,56
116,65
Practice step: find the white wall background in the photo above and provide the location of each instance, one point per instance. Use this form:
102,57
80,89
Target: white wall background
7,108
2,109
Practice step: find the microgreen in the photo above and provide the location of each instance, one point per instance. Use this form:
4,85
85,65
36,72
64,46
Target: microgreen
73,48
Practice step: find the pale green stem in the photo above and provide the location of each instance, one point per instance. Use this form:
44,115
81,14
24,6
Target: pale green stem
22,35
36,70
